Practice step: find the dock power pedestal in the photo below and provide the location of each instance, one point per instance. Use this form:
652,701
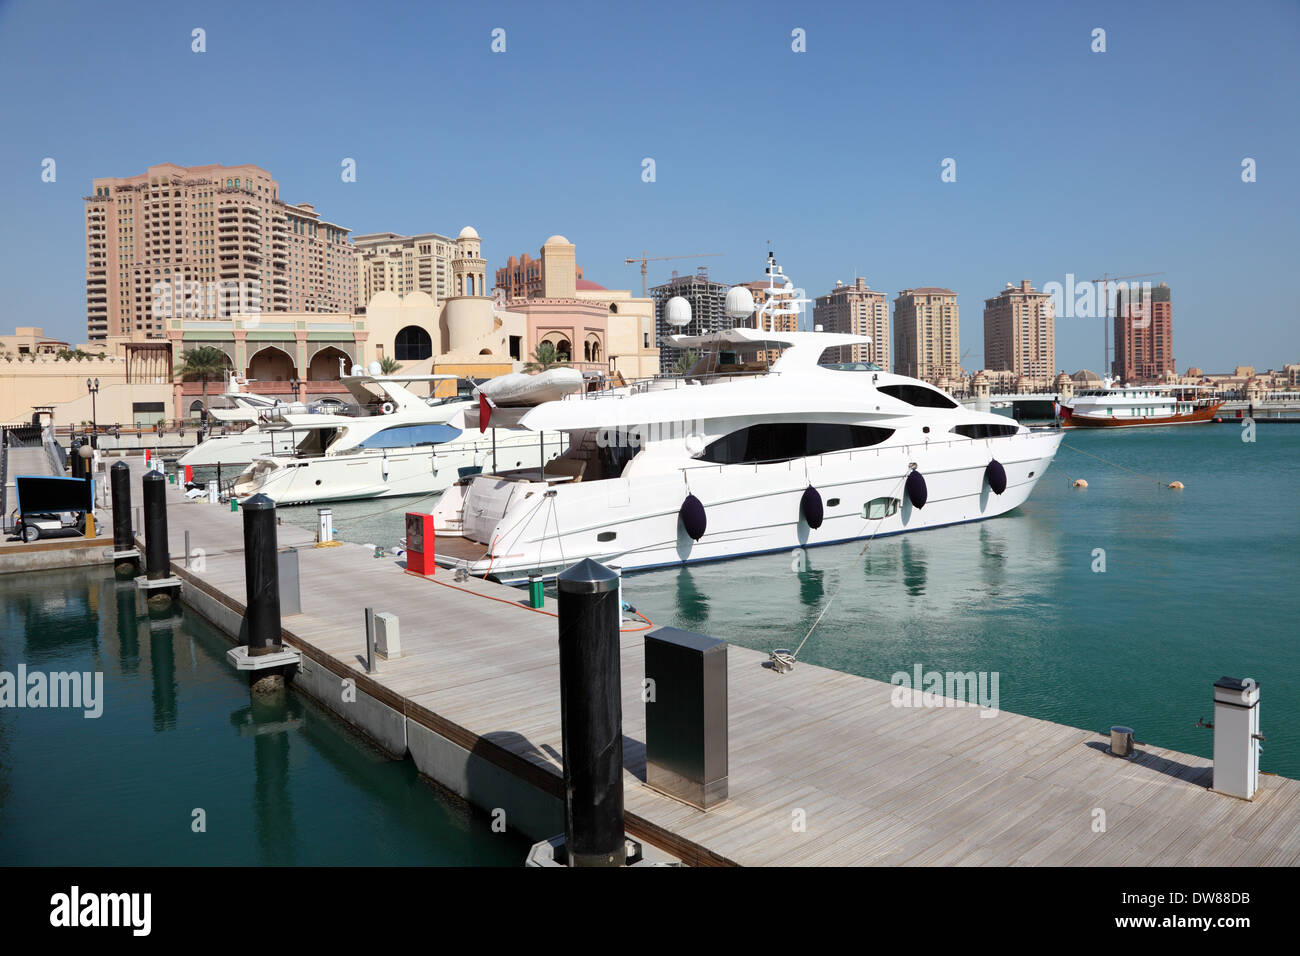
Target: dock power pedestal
1237,738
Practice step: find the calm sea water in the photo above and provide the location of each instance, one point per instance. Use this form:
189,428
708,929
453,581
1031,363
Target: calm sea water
1198,584
279,784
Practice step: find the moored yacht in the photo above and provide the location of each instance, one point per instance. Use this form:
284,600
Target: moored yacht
250,413
1127,406
396,443
743,455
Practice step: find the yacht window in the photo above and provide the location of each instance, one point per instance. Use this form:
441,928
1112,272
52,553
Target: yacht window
985,430
409,436
919,396
781,441
880,508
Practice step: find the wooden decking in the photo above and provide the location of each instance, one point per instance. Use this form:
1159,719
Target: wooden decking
871,783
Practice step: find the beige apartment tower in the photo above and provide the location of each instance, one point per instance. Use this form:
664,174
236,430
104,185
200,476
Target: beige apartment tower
926,342
1019,333
387,262
206,242
857,310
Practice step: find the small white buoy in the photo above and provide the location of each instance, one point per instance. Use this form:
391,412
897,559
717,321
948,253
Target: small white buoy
1080,483
1176,485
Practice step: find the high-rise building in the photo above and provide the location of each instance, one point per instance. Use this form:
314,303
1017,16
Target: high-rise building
926,343
387,262
524,277
1144,334
857,310
1020,334
206,241
708,312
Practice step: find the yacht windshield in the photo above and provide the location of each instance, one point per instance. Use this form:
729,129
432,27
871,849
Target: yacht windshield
410,436
852,366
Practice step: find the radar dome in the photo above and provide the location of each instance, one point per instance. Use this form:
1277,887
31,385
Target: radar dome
375,369
739,303
677,312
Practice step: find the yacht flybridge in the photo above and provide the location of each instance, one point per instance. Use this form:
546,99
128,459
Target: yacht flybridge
392,442
740,456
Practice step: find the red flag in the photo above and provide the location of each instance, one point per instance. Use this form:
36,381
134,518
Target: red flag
484,412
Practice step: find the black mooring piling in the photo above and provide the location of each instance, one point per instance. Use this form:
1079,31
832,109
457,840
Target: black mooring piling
157,560
261,576
591,716
119,482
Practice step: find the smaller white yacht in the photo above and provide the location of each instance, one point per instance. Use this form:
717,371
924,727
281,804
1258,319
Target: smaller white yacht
391,443
249,413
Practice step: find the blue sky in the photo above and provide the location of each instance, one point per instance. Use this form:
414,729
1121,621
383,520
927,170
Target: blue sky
1067,161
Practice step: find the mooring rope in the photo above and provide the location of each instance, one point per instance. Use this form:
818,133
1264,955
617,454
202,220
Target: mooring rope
788,659
1140,474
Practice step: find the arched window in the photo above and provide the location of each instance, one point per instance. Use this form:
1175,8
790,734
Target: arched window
412,344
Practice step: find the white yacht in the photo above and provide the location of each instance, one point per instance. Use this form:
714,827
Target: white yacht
250,412
741,456
396,443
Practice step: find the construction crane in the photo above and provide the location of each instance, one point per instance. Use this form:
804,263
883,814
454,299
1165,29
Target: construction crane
1103,296
643,259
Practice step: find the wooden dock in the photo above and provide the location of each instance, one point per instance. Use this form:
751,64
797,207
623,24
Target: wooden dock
475,702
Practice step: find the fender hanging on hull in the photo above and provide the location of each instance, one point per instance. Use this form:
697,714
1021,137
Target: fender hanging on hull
810,506
693,517
996,476
917,493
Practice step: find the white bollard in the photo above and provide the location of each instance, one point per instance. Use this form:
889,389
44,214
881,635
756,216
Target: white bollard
214,492
324,525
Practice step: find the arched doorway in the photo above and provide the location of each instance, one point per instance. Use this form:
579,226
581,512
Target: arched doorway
563,350
412,344
196,410
271,365
591,350
324,365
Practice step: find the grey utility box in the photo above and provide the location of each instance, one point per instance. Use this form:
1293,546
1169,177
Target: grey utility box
290,592
686,716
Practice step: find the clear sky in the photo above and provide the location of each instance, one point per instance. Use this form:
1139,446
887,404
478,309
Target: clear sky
1067,160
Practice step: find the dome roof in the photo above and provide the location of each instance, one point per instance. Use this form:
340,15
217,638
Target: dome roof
589,286
468,233
557,240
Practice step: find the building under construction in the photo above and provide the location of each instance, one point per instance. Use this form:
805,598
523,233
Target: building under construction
707,299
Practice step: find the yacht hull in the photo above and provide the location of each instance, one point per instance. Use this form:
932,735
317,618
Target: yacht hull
237,449
634,524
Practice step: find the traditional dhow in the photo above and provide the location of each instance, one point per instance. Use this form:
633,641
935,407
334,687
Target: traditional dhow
1129,406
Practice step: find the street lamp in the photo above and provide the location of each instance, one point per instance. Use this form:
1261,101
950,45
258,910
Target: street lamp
93,388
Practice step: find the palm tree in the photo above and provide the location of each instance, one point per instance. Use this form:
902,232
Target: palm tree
686,362
389,365
546,357
206,363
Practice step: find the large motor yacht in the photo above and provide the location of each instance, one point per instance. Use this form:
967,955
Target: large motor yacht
396,443
742,455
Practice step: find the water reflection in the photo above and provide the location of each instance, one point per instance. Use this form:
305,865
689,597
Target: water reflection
270,720
692,604
162,659
913,568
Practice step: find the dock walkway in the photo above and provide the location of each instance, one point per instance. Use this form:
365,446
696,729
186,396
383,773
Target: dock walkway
475,700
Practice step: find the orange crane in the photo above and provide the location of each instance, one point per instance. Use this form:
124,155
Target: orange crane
1103,296
643,259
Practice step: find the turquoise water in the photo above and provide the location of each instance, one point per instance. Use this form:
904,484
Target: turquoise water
1198,583
278,784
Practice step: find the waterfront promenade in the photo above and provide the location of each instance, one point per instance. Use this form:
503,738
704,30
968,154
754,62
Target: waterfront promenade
823,768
